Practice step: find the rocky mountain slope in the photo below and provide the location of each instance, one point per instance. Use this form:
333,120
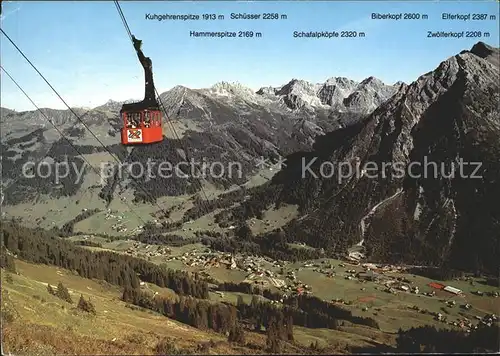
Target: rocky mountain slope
429,207
339,92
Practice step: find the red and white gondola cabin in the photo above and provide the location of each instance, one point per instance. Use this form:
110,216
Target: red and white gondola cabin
141,126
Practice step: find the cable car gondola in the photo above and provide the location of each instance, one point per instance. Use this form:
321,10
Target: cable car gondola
142,121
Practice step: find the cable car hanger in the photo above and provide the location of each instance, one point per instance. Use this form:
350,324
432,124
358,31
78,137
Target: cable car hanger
142,121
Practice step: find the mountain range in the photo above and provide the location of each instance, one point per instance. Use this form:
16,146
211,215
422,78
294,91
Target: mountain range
227,122
446,116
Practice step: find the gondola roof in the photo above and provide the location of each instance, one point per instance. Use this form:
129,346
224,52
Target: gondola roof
141,105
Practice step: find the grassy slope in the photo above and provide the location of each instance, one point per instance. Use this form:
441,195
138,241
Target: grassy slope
44,324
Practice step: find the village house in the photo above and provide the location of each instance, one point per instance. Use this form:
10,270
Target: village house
452,290
369,275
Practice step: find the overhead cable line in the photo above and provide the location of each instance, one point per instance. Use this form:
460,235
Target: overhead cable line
80,119
63,136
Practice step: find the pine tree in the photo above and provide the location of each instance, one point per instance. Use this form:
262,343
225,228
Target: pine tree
243,232
240,302
236,335
273,342
314,346
63,293
257,321
212,318
7,261
86,305
203,315
129,294
255,302
255,311
289,328
169,308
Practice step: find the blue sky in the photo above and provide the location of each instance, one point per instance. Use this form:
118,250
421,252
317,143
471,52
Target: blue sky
83,50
